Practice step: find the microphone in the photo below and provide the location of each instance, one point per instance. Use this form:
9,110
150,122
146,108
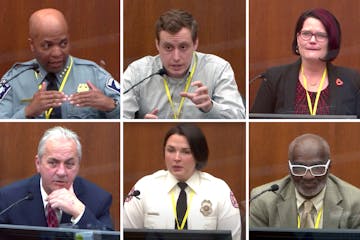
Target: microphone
135,193
261,75
34,66
272,188
28,196
161,72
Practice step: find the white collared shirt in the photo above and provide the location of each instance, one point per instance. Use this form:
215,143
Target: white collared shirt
318,202
212,206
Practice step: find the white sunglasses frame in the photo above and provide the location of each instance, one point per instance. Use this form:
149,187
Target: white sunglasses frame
309,169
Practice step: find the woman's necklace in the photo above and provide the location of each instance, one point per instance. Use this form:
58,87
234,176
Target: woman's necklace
312,110
309,80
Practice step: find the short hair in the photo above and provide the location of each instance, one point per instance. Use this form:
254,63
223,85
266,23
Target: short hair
319,145
59,132
332,27
196,140
174,20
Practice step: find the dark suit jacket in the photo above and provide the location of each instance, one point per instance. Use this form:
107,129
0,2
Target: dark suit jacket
31,212
278,90
341,205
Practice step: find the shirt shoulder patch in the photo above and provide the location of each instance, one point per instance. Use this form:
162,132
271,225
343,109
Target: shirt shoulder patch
4,89
113,85
130,195
233,200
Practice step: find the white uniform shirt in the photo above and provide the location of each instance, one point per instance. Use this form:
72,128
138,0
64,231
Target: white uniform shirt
212,207
213,71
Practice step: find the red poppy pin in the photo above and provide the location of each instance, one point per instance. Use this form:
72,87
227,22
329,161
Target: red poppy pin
339,82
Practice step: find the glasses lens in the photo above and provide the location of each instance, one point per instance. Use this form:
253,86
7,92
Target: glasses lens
306,35
321,37
318,170
298,170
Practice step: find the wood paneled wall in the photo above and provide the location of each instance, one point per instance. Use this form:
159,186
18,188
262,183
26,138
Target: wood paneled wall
143,152
221,29
100,162
272,25
94,27
268,149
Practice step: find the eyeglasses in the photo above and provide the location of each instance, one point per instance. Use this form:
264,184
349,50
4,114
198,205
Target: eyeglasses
319,36
315,170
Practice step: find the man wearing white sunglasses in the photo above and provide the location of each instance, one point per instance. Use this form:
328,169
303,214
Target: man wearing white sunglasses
310,196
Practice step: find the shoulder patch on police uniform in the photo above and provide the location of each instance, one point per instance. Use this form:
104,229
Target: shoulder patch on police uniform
130,195
113,84
4,90
233,200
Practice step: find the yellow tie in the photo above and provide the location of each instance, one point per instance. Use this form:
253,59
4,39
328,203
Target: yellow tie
306,218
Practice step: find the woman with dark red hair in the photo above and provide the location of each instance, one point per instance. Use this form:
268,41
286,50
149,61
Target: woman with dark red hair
312,85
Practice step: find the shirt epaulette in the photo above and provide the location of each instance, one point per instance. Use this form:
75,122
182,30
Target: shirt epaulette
160,173
206,176
80,61
16,69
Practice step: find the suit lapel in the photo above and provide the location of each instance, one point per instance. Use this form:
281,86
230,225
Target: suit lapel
78,188
335,96
65,218
34,209
290,86
332,211
287,209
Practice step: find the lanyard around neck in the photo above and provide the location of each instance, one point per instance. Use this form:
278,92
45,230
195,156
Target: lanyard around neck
317,223
48,112
311,109
180,226
188,81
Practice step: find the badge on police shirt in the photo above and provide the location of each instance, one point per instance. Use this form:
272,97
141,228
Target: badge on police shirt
82,87
206,208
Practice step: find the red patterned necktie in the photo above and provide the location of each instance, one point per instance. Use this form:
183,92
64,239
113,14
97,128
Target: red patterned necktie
51,218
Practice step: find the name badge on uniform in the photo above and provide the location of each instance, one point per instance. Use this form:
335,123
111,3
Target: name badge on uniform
82,87
206,209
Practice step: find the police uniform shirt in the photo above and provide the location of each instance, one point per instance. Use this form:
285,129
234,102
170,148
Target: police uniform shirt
23,82
211,207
